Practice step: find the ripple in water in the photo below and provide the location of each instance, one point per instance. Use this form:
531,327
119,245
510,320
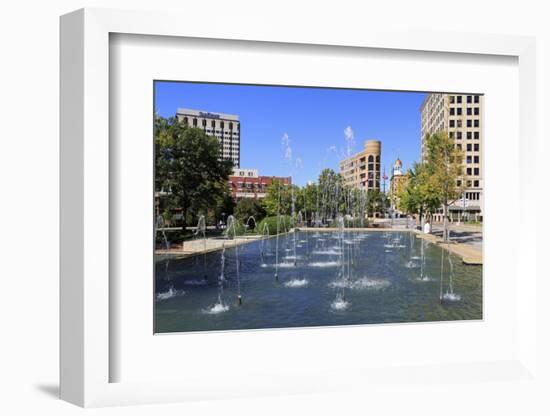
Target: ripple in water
297,283
453,297
170,293
217,308
339,304
324,264
412,265
195,282
281,265
363,283
330,252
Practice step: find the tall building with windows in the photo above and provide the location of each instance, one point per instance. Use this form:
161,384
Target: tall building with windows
225,127
362,170
460,115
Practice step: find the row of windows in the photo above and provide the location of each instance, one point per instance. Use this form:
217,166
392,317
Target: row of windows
469,135
469,147
468,184
472,171
458,123
472,159
221,124
469,99
220,132
469,111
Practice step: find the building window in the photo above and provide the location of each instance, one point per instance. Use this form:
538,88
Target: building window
213,124
476,184
459,183
204,123
194,122
459,135
459,146
469,99
476,99
469,111
476,171
452,111
185,120
468,123
452,99
451,123
459,123
476,135
468,171
221,125
476,159
469,135
476,147
459,111
459,99
476,111
451,135
469,147
476,123
468,159
371,159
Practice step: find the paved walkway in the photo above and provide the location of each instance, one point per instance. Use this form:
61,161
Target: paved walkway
199,246
470,253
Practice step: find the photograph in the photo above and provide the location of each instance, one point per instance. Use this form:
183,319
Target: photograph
296,206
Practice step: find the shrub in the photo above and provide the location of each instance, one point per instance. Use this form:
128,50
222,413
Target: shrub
272,224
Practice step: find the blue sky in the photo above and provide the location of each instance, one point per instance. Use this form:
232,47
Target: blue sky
314,119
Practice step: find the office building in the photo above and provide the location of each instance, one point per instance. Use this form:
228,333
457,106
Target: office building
461,117
362,170
225,127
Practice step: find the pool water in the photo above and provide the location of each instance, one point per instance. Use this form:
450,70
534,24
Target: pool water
381,283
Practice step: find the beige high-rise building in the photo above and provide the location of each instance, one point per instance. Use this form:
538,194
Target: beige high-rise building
225,127
362,170
460,115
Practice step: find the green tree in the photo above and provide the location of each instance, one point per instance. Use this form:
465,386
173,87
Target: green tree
376,201
332,192
249,207
419,196
189,169
277,199
444,169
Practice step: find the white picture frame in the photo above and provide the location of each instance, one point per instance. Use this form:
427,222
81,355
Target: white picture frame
85,353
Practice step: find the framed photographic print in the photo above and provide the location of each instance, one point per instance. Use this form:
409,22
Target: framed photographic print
326,233
281,213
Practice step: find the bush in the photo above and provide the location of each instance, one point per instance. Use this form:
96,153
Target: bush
272,224
249,207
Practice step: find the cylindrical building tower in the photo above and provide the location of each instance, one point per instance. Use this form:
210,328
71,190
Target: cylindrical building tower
373,150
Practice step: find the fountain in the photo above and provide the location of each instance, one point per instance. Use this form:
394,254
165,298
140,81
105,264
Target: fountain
201,229
248,223
278,232
159,226
220,306
340,302
265,236
449,295
232,226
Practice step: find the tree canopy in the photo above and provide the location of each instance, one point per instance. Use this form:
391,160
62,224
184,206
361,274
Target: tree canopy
189,169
